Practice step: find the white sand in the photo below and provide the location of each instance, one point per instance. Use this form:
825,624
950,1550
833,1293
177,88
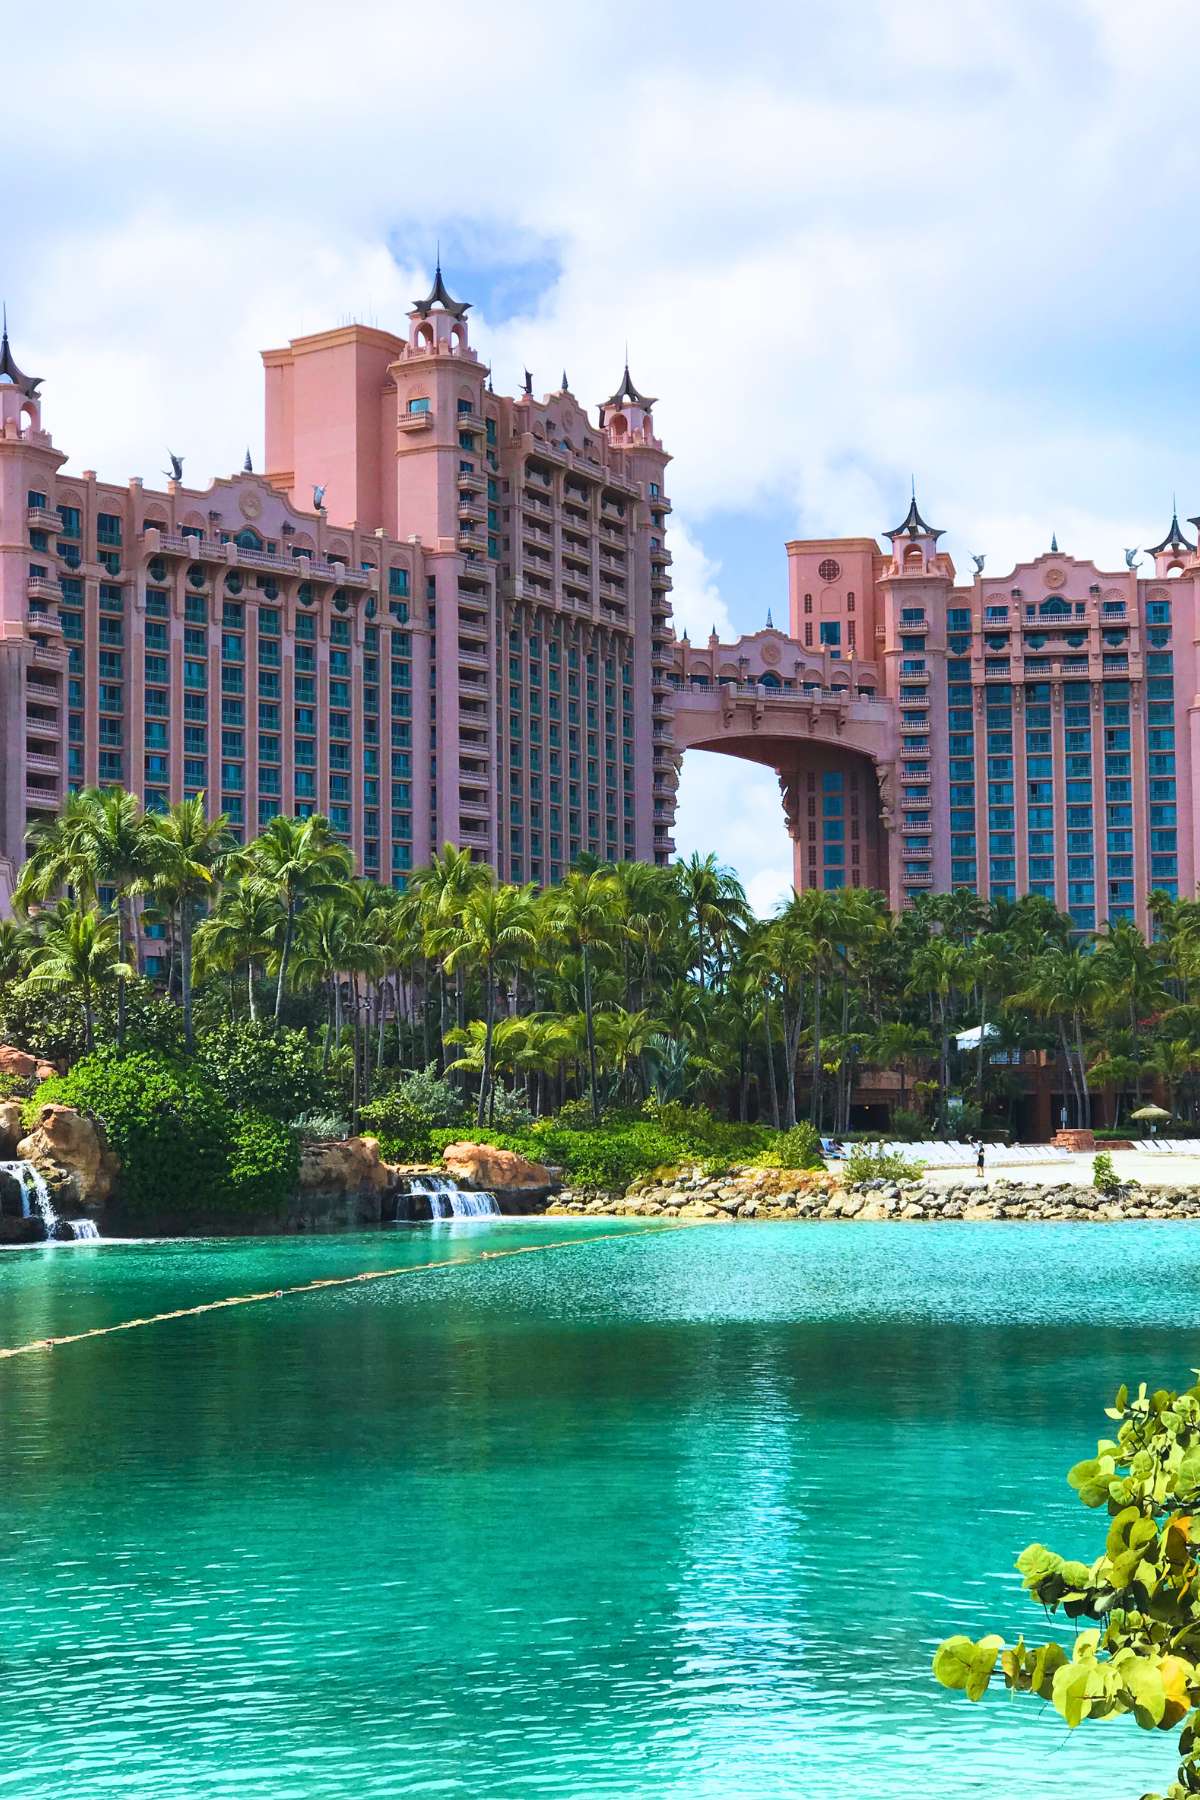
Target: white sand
1172,1170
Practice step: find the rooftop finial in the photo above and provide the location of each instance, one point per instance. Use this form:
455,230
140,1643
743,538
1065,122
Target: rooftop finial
529,384
439,295
770,620
10,374
1054,543
565,383
247,466
1174,540
913,525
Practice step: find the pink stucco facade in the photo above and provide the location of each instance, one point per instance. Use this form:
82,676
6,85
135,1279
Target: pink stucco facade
1036,731
466,636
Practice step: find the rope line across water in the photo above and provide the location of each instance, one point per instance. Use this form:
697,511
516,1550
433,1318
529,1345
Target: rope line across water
331,1281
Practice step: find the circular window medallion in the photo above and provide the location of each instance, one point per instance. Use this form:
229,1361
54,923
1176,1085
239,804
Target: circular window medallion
770,653
829,570
251,506
1055,578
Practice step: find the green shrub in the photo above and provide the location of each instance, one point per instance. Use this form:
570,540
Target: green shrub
404,1116
271,1072
183,1150
907,1124
264,1163
1104,1176
320,1127
14,1086
871,1162
799,1148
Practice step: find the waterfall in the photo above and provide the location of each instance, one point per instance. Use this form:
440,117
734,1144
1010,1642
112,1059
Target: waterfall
35,1200
35,1195
448,1201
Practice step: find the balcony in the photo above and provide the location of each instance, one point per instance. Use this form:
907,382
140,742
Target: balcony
915,775
44,692
467,540
40,587
997,675
50,656
40,764
42,519
42,728
414,421
912,626
469,420
661,559
918,878
909,700
469,508
475,483
918,825
41,799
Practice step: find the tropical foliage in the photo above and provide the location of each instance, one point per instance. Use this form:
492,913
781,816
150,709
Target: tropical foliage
1140,1653
621,985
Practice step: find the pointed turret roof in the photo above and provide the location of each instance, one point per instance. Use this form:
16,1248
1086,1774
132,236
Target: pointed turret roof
1054,543
247,466
913,525
1174,539
10,373
627,394
439,295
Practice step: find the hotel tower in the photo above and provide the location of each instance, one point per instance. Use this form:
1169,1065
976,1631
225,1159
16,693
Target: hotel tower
439,614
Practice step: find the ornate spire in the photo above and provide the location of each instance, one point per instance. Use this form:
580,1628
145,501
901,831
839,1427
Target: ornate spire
528,388
10,374
439,295
1174,539
913,525
627,394
565,386
247,466
770,620
1054,543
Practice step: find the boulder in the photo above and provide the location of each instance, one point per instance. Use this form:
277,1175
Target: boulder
345,1168
72,1152
499,1172
18,1062
10,1127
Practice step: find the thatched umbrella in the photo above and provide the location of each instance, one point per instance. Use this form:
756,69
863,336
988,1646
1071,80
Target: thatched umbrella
1151,1113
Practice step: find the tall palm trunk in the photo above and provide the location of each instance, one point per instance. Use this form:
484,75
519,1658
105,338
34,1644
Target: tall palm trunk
122,946
772,1085
815,1099
285,954
591,1033
489,1029
185,972
250,991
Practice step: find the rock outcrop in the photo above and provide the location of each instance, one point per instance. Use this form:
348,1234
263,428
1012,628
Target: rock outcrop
11,1129
518,1184
789,1194
342,1182
73,1154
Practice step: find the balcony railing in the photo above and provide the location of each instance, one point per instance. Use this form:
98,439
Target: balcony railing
42,519
415,421
40,587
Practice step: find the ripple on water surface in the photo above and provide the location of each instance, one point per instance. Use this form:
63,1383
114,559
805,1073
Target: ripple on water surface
677,1515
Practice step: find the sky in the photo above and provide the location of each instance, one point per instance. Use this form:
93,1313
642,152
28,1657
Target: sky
846,245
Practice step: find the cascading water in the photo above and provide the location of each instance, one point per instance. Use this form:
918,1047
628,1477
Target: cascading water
35,1195
36,1202
448,1201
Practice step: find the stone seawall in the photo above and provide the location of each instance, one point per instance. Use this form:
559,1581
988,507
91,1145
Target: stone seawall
757,1194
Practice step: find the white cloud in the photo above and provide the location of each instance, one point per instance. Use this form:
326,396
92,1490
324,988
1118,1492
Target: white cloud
844,243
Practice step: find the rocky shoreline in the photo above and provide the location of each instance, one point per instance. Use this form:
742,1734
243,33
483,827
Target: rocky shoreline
780,1194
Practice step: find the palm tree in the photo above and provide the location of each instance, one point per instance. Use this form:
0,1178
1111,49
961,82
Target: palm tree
442,889
80,952
297,861
1134,973
1067,986
240,933
16,943
622,1038
585,913
102,839
715,902
494,930
898,1045
194,850
937,970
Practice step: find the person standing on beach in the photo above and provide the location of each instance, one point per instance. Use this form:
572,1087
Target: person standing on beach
979,1159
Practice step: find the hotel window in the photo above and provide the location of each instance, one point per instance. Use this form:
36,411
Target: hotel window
419,404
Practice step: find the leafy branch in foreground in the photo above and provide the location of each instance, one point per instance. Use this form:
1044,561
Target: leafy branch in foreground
1143,1654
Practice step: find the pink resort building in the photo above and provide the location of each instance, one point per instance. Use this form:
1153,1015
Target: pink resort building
440,614
1034,732
443,614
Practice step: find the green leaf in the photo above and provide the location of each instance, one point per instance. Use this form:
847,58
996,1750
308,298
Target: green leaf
1035,1562
1049,1659
1187,1475
953,1661
1070,1691
1091,1479
1142,1686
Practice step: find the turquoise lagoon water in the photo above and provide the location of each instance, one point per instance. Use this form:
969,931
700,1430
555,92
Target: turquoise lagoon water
674,1515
